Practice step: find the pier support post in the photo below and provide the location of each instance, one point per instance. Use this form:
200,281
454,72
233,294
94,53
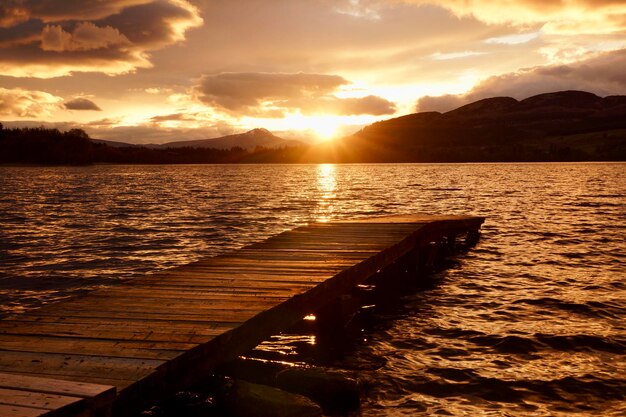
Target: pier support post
451,243
472,238
433,253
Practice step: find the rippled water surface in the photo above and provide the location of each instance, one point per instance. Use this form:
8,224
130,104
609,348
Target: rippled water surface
532,321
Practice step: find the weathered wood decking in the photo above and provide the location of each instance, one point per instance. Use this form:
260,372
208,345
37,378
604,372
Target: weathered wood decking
119,347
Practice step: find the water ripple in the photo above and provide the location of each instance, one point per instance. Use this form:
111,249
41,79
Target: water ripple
531,322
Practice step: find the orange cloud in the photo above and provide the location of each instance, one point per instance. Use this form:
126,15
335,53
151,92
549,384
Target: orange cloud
51,38
26,103
557,17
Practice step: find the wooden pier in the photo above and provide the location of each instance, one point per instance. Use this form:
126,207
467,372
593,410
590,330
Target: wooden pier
114,350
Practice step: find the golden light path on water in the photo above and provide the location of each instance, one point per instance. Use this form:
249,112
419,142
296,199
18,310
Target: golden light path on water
327,186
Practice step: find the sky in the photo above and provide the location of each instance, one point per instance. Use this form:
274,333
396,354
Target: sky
153,71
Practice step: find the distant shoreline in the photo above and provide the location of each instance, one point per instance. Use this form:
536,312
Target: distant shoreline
566,126
16,165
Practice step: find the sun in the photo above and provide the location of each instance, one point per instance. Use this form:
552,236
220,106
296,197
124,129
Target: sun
325,128
320,128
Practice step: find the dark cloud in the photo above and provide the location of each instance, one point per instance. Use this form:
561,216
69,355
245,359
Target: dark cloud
170,117
237,91
16,11
81,103
271,95
440,103
602,75
50,38
85,36
371,105
104,123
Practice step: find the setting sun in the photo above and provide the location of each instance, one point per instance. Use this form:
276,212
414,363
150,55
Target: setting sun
325,128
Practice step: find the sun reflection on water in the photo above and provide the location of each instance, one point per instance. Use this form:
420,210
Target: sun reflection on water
327,189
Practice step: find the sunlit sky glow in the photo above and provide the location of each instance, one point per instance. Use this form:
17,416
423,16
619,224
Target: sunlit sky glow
150,71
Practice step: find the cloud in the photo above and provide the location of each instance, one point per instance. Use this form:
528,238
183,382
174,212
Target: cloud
371,105
81,103
601,74
86,36
18,102
514,39
361,39
107,122
365,105
237,91
438,56
169,117
440,103
561,17
51,38
16,11
274,94
25,103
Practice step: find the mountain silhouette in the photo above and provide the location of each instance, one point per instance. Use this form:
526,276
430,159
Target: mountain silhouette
566,125
248,140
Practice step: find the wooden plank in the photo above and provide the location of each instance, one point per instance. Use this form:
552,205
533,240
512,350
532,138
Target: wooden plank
120,331
208,316
98,394
137,349
201,318
241,280
223,292
41,400
77,365
100,380
16,411
121,321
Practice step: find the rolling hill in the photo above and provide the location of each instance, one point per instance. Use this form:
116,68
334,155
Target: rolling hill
566,125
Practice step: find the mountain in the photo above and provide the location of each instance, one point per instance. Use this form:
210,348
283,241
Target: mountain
115,144
247,140
566,125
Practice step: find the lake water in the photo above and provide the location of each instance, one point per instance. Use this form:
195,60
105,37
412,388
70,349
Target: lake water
532,321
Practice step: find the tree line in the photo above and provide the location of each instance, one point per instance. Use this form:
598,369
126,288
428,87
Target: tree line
44,146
